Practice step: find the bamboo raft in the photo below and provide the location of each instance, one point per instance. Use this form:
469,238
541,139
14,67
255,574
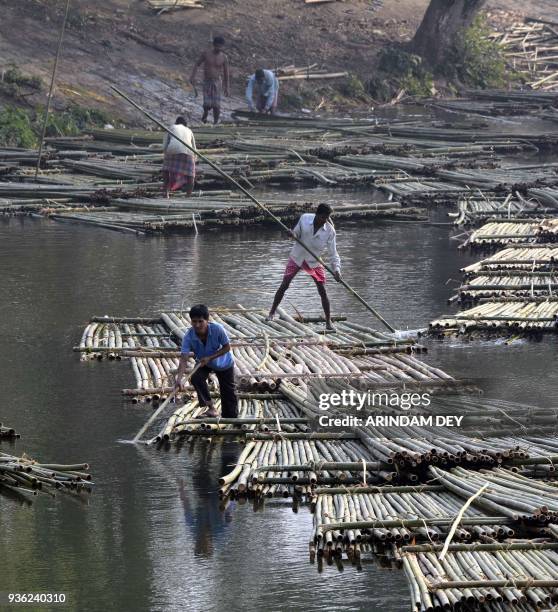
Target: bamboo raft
528,316
497,233
476,209
511,575
266,352
27,476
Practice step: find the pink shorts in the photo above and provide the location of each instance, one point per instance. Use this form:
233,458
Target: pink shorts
292,269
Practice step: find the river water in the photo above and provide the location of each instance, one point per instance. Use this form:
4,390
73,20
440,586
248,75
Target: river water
151,536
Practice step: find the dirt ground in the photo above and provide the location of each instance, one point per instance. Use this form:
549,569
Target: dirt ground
124,43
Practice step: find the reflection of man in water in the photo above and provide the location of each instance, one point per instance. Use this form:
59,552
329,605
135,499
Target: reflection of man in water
200,500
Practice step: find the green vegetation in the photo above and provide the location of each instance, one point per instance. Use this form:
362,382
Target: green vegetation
22,128
14,83
14,76
397,70
477,60
16,128
353,88
74,120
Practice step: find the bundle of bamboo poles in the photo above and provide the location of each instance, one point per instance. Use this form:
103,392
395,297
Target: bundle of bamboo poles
531,47
510,575
370,514
509,494
514,283
517,315
310,72
548,230
164,6
497,233
27,475
293,464
479,207
527,257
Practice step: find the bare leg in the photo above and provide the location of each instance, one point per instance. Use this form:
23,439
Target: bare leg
216,115
199,381
325,303
280,294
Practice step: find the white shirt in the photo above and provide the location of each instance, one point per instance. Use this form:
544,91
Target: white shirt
173,147
317,242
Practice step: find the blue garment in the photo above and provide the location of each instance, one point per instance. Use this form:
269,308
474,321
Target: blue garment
216,339
268,89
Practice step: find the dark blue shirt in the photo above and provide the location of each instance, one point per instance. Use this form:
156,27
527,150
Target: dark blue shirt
216,339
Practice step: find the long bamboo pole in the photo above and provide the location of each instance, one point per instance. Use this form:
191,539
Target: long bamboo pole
51,90
257,203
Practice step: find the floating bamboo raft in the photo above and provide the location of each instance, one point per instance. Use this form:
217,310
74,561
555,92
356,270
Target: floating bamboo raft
509,575
502,232
266,352
25,475
478,208
530,316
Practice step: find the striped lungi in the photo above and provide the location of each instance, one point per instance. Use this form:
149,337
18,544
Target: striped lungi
292,269
178,168
212,93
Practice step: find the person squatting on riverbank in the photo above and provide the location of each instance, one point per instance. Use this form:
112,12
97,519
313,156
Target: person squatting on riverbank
214,62
265,85
179,165
210,346
317,232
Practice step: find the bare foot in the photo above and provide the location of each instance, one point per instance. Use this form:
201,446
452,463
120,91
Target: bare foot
270,317
330,327
211,414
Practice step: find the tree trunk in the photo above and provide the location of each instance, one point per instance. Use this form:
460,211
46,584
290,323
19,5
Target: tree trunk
439,27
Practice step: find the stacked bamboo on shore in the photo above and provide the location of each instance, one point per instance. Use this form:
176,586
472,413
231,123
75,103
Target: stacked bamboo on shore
310,72
530,47
165,6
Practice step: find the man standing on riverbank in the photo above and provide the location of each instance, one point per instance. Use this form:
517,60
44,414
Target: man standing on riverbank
316,232
265,86
214,63
210,345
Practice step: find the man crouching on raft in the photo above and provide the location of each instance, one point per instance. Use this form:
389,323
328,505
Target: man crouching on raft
210,345
315,231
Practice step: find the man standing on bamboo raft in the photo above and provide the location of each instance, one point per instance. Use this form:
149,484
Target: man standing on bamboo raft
209,344
316,231
214,63
265,85
179,166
